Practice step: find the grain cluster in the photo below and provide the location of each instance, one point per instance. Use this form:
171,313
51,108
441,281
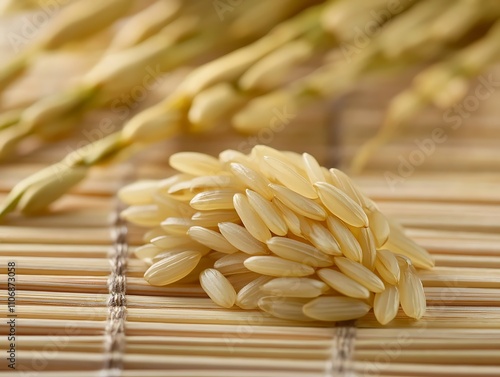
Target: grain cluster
276,231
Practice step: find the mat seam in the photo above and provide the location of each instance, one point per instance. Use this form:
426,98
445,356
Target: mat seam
114,337
342,351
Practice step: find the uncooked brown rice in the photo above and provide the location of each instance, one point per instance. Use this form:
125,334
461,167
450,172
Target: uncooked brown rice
276,231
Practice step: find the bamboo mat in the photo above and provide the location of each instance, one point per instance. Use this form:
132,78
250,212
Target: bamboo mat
65,302
83,309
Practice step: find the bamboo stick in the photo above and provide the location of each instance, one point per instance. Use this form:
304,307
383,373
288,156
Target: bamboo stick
440,316
416,370
60,266
14,250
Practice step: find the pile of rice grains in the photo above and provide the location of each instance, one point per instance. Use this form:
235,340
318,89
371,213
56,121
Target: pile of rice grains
276,231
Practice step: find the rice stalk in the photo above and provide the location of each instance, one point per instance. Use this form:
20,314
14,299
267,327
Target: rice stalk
74,22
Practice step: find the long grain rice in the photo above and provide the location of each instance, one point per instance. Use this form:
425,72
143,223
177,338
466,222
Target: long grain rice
252,179
213,200
369,250
268,212
386,304
291,219
297,203
211,239
347,185
166,242
251,220
239,281
218,288
335,308
412,294
254,229
349,245
387,266
279,267
139,193
313,169
173,268
289,177
147,251
320,237
341,205
285,308
248,297
240,238
143,215
232,264
343,284
295,287
379,226
299,252
212,219
360,273
398,243
177,225
195,163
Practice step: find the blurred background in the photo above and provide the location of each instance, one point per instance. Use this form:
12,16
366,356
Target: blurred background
394,87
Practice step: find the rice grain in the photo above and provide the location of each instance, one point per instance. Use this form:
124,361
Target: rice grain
341,205
284,308
320,237
360,273
143,215
349,245
387,266
291,219
386,304
297,251
297,203
289,177
268,212
212,219
295,287
335,309
379,227
367,243
213,200
173,268
166,242
248,297
218,288
240,238
231,264
251,220
211,239
313,169
412,294
278,267
195,163
177,225
343,284
252,179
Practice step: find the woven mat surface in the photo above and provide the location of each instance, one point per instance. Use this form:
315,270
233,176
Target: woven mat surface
83,307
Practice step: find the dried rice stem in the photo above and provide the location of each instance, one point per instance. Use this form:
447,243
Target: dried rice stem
145,24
